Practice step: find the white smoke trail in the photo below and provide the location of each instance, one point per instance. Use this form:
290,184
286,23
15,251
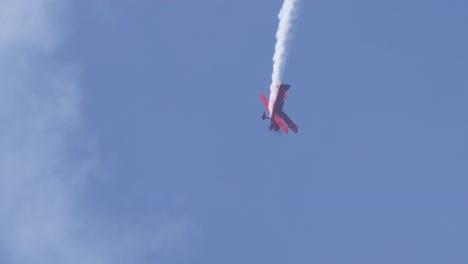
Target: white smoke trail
285,16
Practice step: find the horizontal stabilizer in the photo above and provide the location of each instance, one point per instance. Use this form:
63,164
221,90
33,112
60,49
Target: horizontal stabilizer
284,86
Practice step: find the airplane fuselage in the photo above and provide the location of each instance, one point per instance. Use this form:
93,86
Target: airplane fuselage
278,115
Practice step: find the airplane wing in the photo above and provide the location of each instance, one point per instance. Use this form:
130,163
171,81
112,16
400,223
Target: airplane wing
289,122
280,123
264,100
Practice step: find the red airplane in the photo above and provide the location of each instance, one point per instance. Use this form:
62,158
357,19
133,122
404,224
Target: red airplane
278,114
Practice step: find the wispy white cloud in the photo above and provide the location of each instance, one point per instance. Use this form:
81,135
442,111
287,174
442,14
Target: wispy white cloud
40,182
39,106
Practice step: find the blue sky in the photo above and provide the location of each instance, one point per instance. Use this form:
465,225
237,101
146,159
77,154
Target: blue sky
132,133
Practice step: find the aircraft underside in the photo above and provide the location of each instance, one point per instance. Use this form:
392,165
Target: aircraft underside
279,119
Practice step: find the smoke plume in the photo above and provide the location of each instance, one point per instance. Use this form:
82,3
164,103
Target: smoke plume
285,16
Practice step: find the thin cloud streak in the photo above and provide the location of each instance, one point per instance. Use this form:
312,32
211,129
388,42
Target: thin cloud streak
39,180
41,183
